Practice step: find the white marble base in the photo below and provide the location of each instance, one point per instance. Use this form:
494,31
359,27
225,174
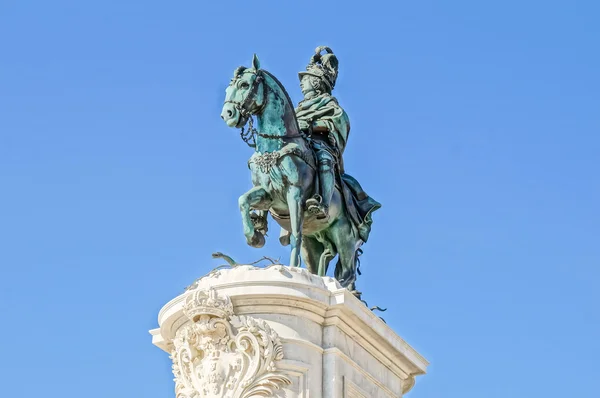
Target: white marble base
281,332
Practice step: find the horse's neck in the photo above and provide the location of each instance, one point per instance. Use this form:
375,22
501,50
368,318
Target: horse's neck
277,119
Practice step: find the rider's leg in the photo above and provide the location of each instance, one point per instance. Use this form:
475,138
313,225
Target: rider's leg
319,204
327,180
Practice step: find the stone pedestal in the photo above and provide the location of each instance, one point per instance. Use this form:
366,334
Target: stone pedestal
248,332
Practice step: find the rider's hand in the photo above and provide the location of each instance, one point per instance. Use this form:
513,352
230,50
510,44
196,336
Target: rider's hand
303,124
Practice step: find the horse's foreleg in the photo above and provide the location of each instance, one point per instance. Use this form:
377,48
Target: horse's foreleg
294,201
251,199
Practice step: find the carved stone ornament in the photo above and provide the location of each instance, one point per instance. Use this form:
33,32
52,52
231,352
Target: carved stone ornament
222,355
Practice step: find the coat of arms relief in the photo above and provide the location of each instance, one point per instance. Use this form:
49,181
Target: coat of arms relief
219,354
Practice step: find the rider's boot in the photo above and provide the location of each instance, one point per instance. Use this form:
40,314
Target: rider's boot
319,205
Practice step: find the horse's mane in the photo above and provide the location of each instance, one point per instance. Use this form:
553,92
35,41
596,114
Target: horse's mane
287,96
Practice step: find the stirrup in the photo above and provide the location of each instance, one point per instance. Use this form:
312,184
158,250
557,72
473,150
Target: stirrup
320,211
313,205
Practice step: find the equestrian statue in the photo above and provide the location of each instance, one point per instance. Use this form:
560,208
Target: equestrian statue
297,167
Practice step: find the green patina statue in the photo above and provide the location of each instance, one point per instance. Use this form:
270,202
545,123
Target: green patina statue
297,167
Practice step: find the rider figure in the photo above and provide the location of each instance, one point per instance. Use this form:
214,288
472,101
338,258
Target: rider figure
320,117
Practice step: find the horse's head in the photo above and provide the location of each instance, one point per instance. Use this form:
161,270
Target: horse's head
245,95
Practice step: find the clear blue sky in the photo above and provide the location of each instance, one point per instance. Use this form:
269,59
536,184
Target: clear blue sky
475,123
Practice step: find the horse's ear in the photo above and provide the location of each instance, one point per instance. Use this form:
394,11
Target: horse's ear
255,62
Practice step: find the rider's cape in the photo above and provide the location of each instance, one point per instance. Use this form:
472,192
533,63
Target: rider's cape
325,108
360,206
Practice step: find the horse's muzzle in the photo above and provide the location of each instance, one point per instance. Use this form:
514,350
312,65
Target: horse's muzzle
230,115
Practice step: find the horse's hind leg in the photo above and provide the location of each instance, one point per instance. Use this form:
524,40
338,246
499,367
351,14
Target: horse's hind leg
257,197
329,253
347,243
312,250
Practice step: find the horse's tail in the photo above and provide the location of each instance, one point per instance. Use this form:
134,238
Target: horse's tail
350,282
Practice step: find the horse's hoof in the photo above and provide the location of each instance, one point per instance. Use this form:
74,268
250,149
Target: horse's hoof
258,240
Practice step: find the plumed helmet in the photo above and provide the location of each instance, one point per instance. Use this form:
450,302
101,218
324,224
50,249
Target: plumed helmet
323,66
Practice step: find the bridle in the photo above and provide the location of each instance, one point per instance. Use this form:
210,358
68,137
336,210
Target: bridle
244,110
249,136
244,107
